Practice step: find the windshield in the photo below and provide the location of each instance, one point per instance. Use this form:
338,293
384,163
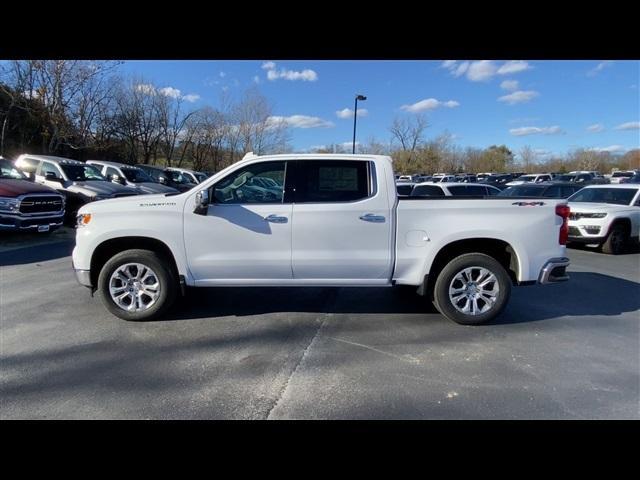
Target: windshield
616,196
81,173
521,192
527,178
135,175
7,170
201,177
622,174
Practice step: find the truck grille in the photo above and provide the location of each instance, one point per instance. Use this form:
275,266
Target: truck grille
41,204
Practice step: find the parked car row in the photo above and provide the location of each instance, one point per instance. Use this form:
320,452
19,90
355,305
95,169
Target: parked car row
41,192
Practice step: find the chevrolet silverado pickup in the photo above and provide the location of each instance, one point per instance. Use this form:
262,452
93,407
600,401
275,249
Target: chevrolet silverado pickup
332,221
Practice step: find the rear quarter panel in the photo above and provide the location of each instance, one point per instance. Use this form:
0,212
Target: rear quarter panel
425,226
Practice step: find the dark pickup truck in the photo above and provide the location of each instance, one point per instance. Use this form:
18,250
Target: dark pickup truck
25,205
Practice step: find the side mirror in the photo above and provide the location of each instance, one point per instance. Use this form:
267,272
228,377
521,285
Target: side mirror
118,179
202,202
162,180
52,177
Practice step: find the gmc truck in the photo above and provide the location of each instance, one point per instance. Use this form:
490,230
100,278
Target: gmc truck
332,221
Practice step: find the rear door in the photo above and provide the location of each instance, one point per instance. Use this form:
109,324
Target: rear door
342,223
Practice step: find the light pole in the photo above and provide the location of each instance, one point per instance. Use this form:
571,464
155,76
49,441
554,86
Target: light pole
355,117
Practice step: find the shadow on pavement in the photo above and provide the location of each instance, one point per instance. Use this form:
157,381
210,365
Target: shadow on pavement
585,294
37,253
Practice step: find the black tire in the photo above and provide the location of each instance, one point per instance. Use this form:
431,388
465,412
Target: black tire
445,305
164,273
616,240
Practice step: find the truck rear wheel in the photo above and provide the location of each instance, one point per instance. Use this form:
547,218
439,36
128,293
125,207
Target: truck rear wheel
137,285
472,289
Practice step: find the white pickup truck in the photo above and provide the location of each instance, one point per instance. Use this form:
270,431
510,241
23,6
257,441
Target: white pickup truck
321,220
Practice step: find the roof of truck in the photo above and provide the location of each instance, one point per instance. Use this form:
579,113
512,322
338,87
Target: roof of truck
113,164
49,158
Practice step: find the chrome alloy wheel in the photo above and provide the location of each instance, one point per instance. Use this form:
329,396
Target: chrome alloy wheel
474,290
134,287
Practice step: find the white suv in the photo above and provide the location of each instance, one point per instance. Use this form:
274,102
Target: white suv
606,215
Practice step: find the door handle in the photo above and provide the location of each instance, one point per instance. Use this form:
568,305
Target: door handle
276,219
370,217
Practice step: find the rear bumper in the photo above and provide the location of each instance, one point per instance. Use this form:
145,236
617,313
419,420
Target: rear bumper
554,271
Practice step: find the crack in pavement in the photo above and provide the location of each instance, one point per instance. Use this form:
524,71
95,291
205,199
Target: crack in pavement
405,358
333,296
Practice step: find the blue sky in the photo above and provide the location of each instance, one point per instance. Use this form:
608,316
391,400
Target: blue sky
553,106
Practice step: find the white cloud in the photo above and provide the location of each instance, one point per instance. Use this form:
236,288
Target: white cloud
349,144
513,66
483,70
428,104
520,96
348,113
510,85
306,75
628,126
145,88
610,149
170,92
601,66
192,97
522,131
302,121
595,128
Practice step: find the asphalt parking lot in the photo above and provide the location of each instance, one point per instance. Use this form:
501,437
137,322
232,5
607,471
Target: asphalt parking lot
567,351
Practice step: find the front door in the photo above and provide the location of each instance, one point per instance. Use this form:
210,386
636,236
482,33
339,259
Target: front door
245,235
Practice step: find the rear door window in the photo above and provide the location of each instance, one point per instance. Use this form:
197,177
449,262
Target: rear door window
327,181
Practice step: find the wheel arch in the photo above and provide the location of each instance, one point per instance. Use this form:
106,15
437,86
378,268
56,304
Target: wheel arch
108,248
501,250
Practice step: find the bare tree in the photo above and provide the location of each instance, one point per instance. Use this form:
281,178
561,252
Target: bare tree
409,132
171,122
528,158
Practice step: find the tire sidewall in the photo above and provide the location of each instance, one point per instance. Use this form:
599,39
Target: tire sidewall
608,246
149,259
441,289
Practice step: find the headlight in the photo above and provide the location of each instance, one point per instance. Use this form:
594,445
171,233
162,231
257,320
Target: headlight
592,215
9,204
83,219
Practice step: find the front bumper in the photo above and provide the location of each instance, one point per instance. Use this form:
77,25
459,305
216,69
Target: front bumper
84,277
20,223
554,271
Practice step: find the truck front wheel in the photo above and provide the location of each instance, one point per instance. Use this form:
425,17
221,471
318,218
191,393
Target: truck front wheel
472,289
137,285
616,241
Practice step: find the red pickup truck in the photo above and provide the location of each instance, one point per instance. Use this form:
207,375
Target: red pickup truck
27,206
